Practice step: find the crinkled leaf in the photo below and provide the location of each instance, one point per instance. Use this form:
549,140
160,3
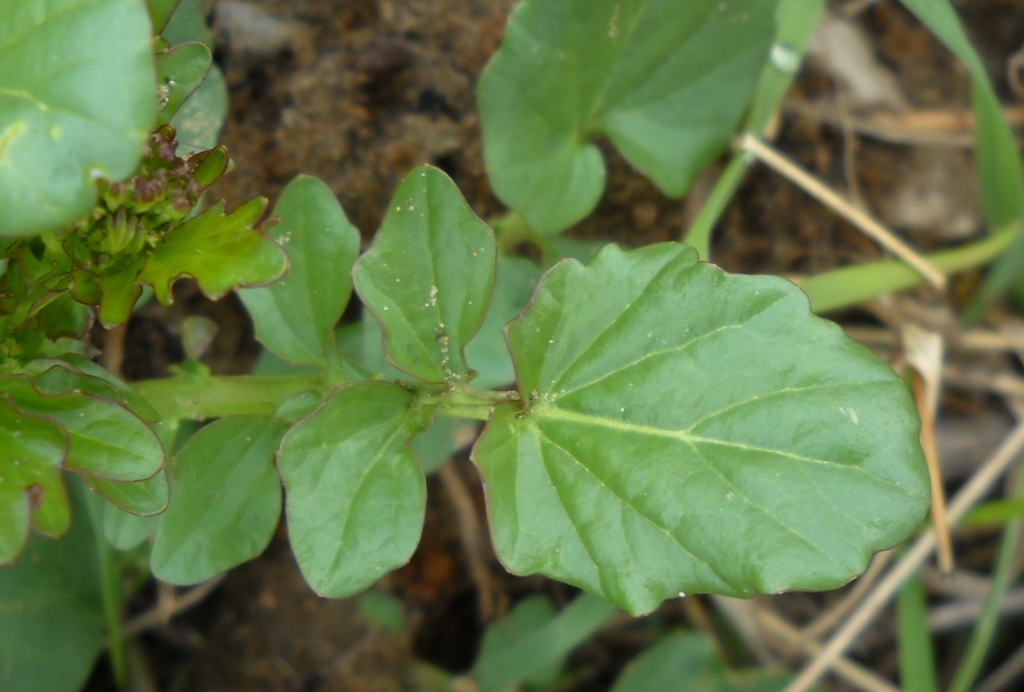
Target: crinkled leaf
355,492
687,430
143,498
666,82
129,397
56,376
51,611
221,252
428,276
295,317
31,489
179,72
487,353
118,294
64,317
226,501
106,440
77,86
688,662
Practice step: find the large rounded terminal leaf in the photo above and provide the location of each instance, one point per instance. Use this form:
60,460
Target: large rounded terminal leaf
77,100
355,491
428,277
666,81
687,430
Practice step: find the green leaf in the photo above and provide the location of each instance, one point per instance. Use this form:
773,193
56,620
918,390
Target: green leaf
119,292
666,82
795,21
487,353
295,317
179,72
363,342
31,488
187,24
106,440
445,436
428,276
525,621
201,118
64,317
160,12
55,376
687,430
226,501
383,610
131,399
77,101
530,645
143,498
221,252
51,611
125,531
688,662
356,495
998,159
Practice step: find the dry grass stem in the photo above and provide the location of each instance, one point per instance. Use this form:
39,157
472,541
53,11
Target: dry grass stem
169,603
844,208
938,127
964,613
794,640
924,352
471,537
830,618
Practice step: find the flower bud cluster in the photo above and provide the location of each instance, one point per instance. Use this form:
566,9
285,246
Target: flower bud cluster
133,215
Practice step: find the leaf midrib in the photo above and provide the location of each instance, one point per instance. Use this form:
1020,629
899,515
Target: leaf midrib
553,413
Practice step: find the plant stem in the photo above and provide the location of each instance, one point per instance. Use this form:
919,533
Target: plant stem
511,228
260,395
699,235
110,584
237,395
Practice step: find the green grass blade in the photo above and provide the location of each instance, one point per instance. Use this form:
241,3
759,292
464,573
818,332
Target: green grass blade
917,660
997,158
794,24
851,285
